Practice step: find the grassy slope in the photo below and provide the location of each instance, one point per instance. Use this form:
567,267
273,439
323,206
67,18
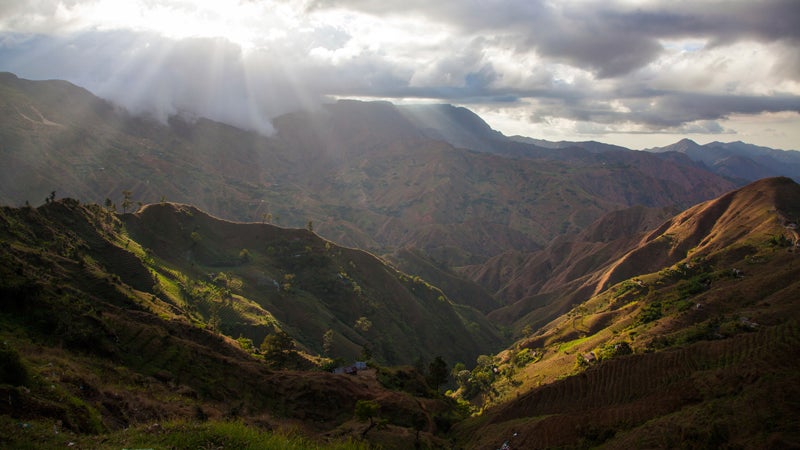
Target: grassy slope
712,360
89,346
320,286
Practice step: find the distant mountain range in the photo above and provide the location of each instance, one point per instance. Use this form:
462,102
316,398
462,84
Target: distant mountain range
739,160
369,175
689,326
583,294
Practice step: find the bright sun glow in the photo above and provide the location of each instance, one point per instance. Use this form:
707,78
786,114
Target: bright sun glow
243,23
527,69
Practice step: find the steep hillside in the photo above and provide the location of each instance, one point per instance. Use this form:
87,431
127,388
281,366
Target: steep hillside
101,334
404,189
368,175
689,341
539,286
307,286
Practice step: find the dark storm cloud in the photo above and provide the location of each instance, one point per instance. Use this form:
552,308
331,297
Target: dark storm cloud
607,38
665,111
654,65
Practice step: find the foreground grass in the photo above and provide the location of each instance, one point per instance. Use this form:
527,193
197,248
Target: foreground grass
171,435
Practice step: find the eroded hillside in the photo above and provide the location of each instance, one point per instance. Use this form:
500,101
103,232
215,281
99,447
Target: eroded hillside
101,333
691,346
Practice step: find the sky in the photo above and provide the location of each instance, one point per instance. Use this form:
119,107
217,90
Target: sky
638,73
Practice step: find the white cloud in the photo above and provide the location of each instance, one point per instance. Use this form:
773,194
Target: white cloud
625,67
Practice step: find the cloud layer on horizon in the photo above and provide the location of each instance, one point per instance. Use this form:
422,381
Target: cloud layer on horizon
595,66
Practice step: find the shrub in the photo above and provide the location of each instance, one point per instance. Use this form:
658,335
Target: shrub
523,357
12,369
650,313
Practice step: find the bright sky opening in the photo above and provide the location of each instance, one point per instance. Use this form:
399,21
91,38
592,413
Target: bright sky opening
633,73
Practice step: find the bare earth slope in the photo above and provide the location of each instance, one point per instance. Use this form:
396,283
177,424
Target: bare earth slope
688,341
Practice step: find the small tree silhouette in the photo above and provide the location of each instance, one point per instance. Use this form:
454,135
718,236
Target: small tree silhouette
437,373
278,347
327,342
126,201
367,410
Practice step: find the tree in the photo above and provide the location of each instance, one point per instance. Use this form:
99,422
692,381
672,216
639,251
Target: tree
277,347
327,342
110,206
244,256
126,201
527,330
457,367
214,321
310,226
287,282
367,410
437,372
366,352
363,324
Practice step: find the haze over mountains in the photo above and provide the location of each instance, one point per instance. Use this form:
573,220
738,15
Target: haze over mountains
367,175
407,232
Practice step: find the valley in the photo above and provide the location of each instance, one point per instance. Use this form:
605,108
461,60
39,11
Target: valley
192,278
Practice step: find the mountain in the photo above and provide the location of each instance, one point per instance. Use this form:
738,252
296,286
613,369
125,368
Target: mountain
116,322
738,159
309,285
592,146
537,287
368,175
425,185
252,279
457,126
688,341
654,302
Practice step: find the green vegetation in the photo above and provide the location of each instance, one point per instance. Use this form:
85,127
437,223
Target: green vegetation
141,337
169,434
368,411
12,368
278,348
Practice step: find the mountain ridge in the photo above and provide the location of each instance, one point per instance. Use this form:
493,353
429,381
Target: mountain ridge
649,297
363,173
738,159
695,350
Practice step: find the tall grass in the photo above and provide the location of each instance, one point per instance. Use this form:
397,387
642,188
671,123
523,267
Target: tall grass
172,435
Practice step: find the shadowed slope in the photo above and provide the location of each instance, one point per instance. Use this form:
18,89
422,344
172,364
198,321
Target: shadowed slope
694,348
100,334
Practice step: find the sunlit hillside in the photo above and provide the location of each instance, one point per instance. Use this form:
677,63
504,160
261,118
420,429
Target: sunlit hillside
691,346
175,278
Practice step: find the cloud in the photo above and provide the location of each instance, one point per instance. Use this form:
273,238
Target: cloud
607,37
664,110
147,73
643,66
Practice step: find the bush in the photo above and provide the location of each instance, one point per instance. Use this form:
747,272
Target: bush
650,313
523,357
12,369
